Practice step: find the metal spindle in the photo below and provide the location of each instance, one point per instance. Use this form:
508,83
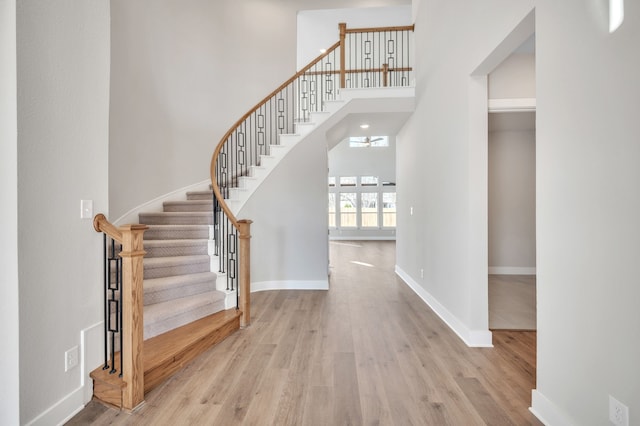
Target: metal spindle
370,60
105,268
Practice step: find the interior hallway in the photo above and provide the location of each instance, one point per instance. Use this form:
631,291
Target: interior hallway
368,351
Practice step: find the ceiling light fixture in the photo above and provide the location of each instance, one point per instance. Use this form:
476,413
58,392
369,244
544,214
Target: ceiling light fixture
364,126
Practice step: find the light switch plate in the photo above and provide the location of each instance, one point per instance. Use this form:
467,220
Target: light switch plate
86,209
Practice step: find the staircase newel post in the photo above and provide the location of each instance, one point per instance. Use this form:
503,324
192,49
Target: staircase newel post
244,228
132,315
343,34
385,74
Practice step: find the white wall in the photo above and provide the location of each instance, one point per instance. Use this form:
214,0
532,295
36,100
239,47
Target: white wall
318,29
63,101
587,197
436,168
9,316
182,74
372,161
515,77
289,235
588,98
512,200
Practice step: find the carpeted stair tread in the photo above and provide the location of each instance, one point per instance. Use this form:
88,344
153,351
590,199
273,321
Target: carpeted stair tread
176,218
158,290
157,267
165,316
176,232
200,195
164,248
188,206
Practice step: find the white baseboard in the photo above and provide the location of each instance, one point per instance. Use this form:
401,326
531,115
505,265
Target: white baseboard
62,411
546,411
511,270
289,285
155,205
472,338
91,356
368,238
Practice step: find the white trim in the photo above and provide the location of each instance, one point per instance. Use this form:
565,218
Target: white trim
472,338
348,94
365,238
546,411
512,270
512,105
289,285
155,205
91,350
62,411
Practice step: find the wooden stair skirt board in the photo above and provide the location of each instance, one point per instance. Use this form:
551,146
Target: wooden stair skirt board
167,353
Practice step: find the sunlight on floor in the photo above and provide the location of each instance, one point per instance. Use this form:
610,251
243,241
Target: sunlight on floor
362,263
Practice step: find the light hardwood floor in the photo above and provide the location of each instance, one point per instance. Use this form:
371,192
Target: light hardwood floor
512,302
366,352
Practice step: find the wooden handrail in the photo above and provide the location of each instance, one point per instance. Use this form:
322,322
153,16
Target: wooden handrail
384,68
380,29
341,43
216,152
101,224
242,227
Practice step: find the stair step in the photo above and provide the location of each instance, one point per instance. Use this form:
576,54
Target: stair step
159,290
176,218
164,248
162,317
176,232
200,195
188,206
108,388
158,267
167,353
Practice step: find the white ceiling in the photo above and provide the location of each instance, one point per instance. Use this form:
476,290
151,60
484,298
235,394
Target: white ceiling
380,124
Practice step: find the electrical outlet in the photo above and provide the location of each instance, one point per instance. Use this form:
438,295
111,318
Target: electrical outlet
618,412
71,358
421,273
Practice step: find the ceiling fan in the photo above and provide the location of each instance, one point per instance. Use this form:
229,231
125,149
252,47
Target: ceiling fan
367,140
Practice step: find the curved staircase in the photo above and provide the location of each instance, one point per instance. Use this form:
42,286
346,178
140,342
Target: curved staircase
176,305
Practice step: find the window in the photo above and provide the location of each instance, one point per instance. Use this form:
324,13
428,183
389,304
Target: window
368,141
348,209
389,209
361,202
332,210
369,209
348,180
369,181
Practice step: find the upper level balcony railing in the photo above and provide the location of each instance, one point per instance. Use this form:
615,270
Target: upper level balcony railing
362,58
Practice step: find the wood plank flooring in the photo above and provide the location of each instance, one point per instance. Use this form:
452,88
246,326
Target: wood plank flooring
366,352
512,302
